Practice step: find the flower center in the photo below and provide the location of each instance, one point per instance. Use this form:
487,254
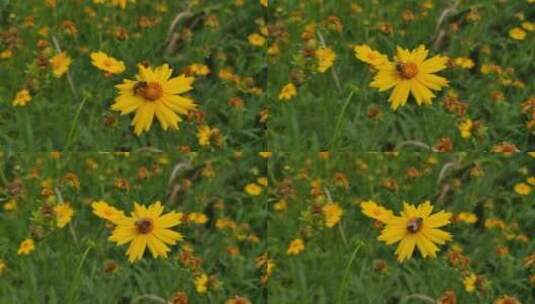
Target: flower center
144,225
407,70
108,62
148,90
415,224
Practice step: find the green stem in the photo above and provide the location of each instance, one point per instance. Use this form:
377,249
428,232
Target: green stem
342,288
339,122
419,297
75,280
73,126
148,297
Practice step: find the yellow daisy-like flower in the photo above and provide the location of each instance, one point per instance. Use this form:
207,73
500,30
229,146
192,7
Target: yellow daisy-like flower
121,3
147,227
201,283
332,213
326,57
256,39
295,247
469,282
106,63
411,73
376,211
154,93
416,227
253,189
522,188
197,218
372,57
288,92
107,212
22,98
63,214
517,33
465,128
60,64
26,247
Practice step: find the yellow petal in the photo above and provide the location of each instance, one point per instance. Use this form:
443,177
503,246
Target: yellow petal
178,85
420,92
434,64
431,81
400,94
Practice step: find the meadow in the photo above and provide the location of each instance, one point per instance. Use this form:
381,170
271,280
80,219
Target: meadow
267,151
61,60
321,74
325,248
72,260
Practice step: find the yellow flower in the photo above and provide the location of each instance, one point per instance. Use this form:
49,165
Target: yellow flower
238,299
375,211
121,3
522,188
264,3
517,33
416,227
464,62
253,189
153,93
22,98
5,54
332,213
372,57
280,205
295,247
198,218
199,69
288,92
106,63
107,212
467,217
411,72
256,39
528,26
10,205
201,283
60,64
265,154
204,134
470,282
63,214
465,128
2,266
26,247
147,227
262,181
326,57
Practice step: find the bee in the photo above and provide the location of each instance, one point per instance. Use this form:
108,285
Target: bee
415,224
139,87
144,225
400,66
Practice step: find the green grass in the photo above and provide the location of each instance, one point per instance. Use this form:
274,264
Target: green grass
68,264
55,118
338,264
309,120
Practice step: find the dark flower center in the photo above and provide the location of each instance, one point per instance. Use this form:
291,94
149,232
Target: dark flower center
407,70
144,225
415,224
150,91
